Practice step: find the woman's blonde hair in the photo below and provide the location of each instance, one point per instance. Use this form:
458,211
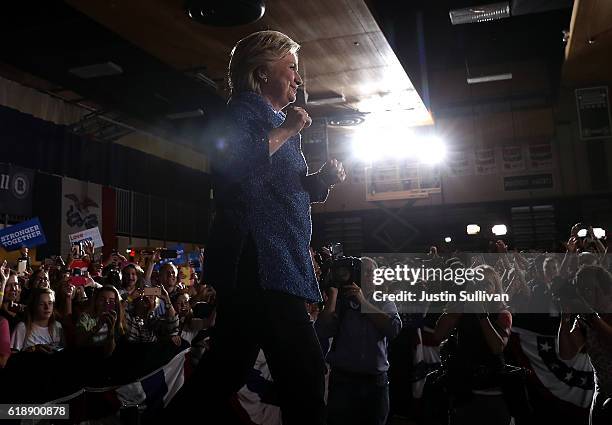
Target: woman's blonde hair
252,53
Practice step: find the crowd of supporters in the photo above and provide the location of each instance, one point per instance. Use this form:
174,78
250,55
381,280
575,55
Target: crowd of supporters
122,319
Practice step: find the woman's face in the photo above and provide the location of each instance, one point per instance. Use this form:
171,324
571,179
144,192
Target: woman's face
181,305
12,291
106,301
131,276
44,308
168,277
283,81
42,280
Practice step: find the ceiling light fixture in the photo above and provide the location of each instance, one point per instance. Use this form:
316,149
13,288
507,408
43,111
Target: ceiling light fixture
489,78
482,13
187,114
222,13
351,120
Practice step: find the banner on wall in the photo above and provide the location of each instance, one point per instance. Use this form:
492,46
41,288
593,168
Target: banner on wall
16,187
459,162
593,112
530,182
484,161
512,158
27,233
540,157
81,209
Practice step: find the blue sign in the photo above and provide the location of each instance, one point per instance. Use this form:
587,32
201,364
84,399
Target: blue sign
194,257
28,233
180,258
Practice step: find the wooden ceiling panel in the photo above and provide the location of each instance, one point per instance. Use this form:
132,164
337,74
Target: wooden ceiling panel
307,20
343,48
330,56
588,58
360,83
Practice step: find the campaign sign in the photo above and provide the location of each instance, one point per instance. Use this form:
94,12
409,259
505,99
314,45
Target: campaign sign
180,258
194,260
92,234
28,233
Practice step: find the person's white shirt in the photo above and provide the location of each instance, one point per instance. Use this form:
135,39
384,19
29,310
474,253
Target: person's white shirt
39,335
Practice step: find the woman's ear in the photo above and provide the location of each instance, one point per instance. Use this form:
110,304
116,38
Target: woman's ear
262,74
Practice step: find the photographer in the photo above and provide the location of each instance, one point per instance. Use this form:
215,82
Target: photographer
591,328
361,330
473,356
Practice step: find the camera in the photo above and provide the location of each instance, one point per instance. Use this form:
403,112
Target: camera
338,270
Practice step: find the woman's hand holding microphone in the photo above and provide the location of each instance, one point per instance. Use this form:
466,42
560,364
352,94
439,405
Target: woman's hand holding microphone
296,119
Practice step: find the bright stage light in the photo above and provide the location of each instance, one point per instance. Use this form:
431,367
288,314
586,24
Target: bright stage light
448,239
431,150
372,144
499,229
473,229
599,232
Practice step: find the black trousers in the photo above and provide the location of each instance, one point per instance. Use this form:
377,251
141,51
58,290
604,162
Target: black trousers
357,400
249,319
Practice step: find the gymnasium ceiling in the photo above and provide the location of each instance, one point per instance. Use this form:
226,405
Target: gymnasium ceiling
375,53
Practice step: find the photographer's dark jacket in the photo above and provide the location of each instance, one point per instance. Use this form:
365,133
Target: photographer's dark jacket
264,198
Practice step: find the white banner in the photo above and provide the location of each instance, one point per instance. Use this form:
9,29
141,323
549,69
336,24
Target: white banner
81,209
484,161
513,158
460,162
540,157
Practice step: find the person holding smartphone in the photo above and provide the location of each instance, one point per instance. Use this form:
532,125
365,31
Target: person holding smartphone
143,324
101,329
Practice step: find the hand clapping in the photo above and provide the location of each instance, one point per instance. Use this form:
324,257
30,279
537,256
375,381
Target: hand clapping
332,172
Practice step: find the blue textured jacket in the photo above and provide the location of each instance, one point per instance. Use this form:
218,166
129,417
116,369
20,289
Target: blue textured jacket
266,198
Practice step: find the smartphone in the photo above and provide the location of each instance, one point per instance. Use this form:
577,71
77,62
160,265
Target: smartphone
21,267
168,253
76,278
152,291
